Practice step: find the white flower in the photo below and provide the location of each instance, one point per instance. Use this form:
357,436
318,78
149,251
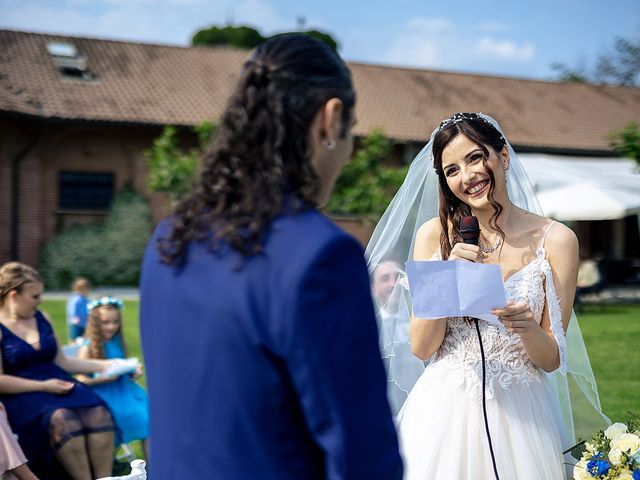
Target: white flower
624,475
627,442
615,456
580,471
615,430
635,456
591,448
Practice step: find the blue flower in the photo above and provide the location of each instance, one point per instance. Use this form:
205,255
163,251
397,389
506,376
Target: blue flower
598,466
636,474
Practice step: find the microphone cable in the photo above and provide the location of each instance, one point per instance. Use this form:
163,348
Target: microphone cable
484,402
470,233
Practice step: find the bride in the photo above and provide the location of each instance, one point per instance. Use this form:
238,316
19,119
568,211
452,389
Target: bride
535,367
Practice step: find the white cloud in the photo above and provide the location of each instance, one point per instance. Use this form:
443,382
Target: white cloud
420,43
441,44
504,50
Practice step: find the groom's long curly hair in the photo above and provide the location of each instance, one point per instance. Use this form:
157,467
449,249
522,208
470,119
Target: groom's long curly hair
261,152
452,209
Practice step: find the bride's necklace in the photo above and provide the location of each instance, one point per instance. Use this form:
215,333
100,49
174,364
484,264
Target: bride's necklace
491,248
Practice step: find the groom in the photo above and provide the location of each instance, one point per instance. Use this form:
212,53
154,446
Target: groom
266,366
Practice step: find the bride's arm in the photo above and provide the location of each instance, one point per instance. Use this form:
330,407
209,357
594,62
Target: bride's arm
562,252
426,335
538,340
563,255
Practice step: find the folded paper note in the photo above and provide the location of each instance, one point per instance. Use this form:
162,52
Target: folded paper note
121,366
455,288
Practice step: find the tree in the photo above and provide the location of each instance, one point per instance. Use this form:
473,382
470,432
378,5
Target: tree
622,67
247,37
366,185
322,36
627,141
171,169
568,74
239,37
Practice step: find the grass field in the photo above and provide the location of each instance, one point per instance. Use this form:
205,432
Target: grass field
612,336
611,333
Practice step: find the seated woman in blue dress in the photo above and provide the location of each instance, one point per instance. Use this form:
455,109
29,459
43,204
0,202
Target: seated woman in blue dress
65,430
126,399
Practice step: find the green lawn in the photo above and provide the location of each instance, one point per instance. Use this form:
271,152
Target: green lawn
612,336
611,333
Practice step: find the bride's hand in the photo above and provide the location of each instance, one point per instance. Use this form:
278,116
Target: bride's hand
466,251
516,317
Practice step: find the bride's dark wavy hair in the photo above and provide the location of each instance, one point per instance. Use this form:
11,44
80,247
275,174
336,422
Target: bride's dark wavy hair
261,151
452,209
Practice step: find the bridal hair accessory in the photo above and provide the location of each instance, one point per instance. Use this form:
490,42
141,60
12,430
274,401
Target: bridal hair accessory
456,118
460,116
329,144
104,301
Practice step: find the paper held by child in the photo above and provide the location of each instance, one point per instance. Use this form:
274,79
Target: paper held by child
455,288
121,366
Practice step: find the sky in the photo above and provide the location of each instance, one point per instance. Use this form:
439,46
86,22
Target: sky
517,38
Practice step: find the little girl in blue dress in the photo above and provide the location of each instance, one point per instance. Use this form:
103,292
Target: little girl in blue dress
125,398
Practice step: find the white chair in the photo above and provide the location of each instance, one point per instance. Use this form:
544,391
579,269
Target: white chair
138,472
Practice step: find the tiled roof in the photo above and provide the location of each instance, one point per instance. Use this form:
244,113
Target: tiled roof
158,84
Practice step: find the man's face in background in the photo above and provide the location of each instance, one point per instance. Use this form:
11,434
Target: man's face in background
384,279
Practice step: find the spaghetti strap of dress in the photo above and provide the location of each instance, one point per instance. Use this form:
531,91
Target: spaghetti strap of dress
553,303
540,251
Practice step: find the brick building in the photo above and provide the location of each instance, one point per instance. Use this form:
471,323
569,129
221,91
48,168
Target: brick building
76,115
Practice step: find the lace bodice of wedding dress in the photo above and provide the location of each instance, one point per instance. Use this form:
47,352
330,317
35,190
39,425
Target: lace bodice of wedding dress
507,361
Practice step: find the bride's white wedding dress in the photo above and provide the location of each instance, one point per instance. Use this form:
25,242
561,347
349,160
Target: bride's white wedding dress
441,425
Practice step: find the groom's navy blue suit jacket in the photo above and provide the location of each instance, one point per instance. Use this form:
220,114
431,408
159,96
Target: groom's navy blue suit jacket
267,368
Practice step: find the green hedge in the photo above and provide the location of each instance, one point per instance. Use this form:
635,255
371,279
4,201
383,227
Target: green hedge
107,253
367,185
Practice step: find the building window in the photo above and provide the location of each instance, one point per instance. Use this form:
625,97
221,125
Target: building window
86,191
69,61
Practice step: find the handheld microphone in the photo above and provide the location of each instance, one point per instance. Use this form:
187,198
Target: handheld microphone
470,230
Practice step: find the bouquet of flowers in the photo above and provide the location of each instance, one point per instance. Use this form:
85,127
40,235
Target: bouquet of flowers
612,454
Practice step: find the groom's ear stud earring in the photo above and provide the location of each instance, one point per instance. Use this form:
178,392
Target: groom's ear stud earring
329,144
